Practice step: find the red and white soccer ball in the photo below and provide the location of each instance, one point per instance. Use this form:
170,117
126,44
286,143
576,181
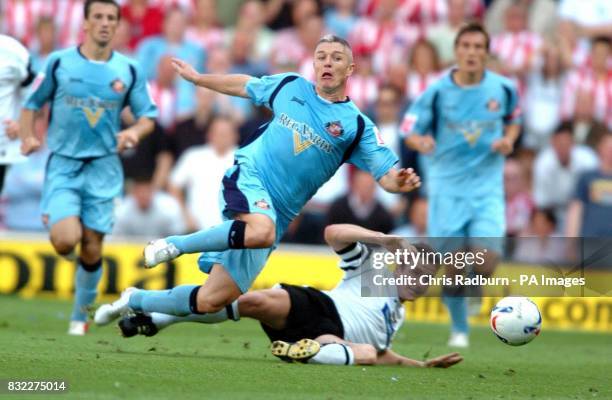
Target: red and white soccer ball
516,320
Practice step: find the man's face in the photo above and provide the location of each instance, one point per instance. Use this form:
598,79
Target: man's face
102,22
471,52
332,65
600,54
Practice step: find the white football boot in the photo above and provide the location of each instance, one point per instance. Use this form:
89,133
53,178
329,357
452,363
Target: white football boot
107,313
159,251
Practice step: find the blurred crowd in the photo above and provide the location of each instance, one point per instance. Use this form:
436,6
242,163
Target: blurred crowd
559,53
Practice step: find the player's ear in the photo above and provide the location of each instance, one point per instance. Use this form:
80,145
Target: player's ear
350,69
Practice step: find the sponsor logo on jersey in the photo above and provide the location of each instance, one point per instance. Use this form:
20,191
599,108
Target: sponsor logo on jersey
303,135
493,105
118,86
334,128
379,139
408,124
262,204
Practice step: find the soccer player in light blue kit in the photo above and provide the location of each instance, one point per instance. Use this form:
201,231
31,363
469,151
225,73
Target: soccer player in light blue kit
88,86
315,129
465,123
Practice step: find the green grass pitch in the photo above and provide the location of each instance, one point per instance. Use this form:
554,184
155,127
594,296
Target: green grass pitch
231,361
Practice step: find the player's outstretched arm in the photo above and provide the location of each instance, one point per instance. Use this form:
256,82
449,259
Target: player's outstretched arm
230,84
400,180
389,357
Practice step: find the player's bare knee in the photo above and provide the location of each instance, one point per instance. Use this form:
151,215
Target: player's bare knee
365,354
212,302
64,244
330,233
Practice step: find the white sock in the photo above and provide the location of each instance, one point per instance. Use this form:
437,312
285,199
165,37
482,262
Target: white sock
334,354
163,320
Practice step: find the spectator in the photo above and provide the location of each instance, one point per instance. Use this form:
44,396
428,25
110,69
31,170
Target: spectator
388,108
383,36
590,212
442,35
360,206
251,19
538,244
45,42
589,87
148,213
541,16
340,18
362,86
429,12
417,220
190,132
544,89
557,169
241,52
195,180
204,29
516,46
163,92
19,18
143,19
173,42
519,203
423,69
69,21
121,40
592,18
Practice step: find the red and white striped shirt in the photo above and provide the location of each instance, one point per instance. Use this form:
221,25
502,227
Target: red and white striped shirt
288,50
363,90
388,44
423,12
417,83
516,49
584,82
165,99
20,17
69,22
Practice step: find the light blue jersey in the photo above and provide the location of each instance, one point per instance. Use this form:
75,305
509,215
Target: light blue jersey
86,101
307,140
464,121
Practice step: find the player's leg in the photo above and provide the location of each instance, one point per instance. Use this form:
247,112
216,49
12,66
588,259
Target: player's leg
3,169
269,306
65,235
325,349
251,223
87,277
448,218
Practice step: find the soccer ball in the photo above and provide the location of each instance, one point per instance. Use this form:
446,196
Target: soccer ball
516,320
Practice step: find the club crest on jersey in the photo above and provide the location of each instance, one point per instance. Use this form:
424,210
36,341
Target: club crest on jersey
118,86
262,204
493,105
334,128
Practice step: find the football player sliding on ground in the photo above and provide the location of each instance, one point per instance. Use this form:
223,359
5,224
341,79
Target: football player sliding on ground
323,327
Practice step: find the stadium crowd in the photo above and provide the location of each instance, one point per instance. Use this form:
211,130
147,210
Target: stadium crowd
559,54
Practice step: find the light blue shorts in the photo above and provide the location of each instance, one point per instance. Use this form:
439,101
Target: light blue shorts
242,192
463,221
85,188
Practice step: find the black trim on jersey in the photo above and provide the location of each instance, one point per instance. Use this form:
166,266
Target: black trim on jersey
78,48
54,68
129,91
434,114
255,135
342,101
31,75
347,249
285,81
508,93
351,148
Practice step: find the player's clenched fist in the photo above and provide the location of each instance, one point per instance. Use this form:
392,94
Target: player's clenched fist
127,139
407,180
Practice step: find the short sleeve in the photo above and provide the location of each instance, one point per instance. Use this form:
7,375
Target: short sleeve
43,88
582,188
419,118
371,154
513,113
140,99
262,91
